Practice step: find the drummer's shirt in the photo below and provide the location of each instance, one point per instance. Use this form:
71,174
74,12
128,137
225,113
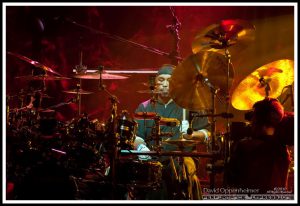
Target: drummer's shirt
169,110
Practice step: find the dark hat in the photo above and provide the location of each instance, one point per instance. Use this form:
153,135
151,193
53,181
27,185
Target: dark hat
166,69
268,112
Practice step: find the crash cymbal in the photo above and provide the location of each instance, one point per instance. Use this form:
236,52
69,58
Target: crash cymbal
77,91
195,78
34,63
223,35
145,115
276,75
42,77
172,122
181,143
96,75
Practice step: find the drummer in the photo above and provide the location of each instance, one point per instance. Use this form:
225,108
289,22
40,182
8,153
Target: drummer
165,107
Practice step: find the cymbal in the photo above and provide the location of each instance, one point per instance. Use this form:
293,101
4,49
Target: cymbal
34,63
277,75
149,92
223,35
173,122
181,142
145,115
196,76
77,91
96,75
42,77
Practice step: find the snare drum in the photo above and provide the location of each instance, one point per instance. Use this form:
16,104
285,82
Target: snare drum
137,173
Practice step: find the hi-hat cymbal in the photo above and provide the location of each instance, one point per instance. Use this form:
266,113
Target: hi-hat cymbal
145,115
42,77
96,75
195,77
77,91
181,143
34,63
276,75
223,35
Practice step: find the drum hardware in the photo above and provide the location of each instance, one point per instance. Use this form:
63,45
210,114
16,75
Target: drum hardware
118,38
266,81
96,76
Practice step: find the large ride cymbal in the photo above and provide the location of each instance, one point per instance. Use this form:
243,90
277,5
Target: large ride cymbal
34,63
196,77
223,35
77,91
96,75
42,77
275,75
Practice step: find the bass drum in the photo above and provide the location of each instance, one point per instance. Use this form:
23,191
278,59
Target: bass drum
138,173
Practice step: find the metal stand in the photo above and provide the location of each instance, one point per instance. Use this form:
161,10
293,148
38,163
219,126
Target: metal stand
227,146
79,69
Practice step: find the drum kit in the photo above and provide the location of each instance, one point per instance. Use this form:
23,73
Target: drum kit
85,145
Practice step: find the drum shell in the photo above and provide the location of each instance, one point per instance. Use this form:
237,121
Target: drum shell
139,173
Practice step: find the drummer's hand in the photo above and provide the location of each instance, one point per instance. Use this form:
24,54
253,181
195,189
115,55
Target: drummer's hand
138,140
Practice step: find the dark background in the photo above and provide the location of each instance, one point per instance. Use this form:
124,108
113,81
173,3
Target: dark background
43,34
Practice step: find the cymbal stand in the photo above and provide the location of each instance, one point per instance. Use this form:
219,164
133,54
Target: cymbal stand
79,69
118,38
213,134
227,146
114,150
174,30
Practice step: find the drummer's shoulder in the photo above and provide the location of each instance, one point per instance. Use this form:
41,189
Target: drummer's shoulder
145,103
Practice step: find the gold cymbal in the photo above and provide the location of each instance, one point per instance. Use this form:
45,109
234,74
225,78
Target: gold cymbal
96,75
145,115
181,142
77,91
193,78
223,35
34,63
42,77
276,75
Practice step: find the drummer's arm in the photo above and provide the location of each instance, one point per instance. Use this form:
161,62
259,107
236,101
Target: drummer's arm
198,135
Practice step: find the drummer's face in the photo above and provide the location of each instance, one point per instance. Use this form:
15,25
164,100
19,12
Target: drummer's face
162,84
